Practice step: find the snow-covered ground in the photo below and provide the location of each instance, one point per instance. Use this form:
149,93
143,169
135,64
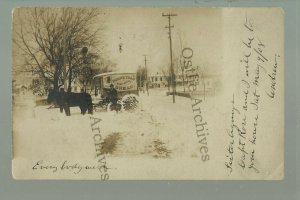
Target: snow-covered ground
156,123
157,130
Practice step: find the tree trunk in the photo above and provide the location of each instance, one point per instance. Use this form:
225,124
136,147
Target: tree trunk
55,83
70,80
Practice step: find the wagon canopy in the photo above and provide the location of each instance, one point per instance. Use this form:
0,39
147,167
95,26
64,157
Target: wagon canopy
122,81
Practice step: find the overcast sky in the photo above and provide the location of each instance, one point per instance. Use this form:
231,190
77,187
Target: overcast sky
142,31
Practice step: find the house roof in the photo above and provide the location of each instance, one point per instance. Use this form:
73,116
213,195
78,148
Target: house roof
156,74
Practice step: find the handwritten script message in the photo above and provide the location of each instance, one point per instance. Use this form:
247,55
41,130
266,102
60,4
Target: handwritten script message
258,81
67,167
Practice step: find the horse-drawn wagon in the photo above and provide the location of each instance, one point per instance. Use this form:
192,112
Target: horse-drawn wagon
124,83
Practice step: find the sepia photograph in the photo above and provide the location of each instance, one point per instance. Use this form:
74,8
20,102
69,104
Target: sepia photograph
148,93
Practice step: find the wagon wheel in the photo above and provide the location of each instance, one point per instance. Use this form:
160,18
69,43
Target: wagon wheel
100,106
130,103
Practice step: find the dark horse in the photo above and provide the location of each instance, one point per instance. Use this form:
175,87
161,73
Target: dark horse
65,100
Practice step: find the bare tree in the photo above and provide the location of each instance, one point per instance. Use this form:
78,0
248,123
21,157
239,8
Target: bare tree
52,37
180,61
93,64
167,76
141,76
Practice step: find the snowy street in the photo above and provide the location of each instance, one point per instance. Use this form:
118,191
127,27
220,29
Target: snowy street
148,131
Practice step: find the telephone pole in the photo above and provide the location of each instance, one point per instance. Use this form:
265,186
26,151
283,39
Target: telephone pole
171,56
145,59
140,76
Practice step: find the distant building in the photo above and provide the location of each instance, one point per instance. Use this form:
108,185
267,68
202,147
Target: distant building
28,80
157,80
204,84
78,86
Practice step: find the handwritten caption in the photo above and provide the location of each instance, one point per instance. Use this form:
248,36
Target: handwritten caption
66,166
243,134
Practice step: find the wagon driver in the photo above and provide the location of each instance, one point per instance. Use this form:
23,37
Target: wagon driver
113,95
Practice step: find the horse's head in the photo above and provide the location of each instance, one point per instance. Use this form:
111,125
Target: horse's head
52,96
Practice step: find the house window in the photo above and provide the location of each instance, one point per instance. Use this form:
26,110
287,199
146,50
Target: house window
155,79
160,78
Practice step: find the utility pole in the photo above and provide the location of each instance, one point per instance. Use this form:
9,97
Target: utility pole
140,75
171,56
145,59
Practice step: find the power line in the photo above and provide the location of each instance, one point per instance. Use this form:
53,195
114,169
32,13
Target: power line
173,82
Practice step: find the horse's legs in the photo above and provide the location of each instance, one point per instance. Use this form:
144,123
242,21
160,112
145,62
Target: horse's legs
67,110
81,109
90,109
61,108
